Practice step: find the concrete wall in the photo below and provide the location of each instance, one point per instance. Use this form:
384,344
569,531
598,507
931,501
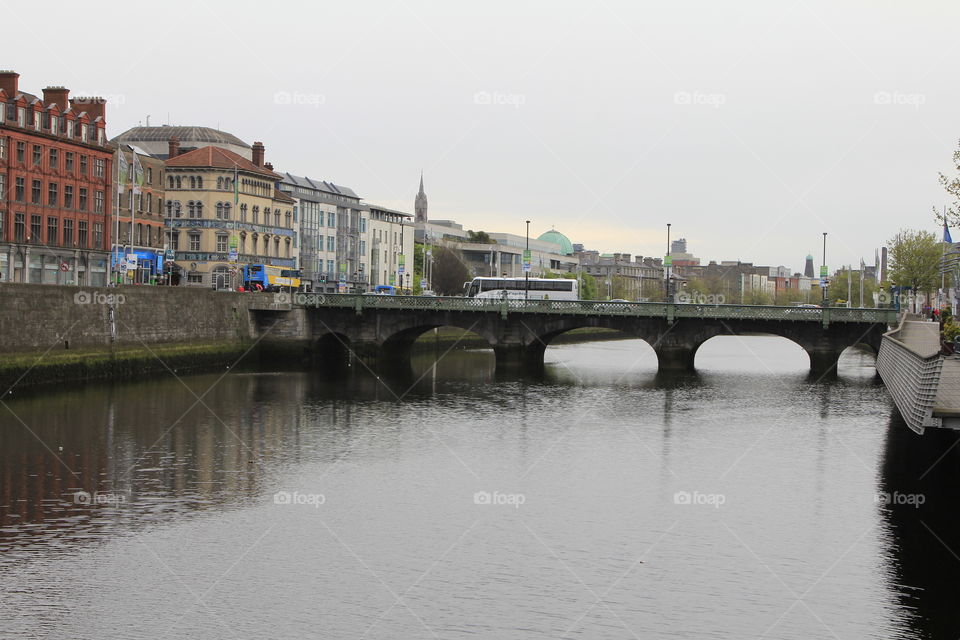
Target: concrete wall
36,317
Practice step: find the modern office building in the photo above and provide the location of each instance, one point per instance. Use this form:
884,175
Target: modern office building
389,241
56,186
326,262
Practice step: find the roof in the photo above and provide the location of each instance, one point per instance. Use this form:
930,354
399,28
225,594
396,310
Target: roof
554,236
386,210
319,185
283,197
187,135
218,158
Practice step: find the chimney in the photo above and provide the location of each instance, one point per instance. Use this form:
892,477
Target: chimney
268,166
9,82
626,257
258,154
94,106
173,149
59,96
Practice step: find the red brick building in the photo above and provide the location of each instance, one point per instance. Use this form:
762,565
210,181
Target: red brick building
56,187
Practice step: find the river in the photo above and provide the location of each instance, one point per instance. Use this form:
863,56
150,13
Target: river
599,500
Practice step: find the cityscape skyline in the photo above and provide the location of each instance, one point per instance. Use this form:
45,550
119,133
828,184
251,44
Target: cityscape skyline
767,127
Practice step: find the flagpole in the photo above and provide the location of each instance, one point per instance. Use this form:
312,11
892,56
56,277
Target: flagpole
133,214
943,260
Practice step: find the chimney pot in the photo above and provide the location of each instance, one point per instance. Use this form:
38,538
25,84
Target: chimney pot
57,95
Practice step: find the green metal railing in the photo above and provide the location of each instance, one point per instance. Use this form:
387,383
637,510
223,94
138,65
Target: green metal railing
593,308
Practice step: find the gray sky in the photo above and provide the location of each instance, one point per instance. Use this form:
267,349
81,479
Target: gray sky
752,127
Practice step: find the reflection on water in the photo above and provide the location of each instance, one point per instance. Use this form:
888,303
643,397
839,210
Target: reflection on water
598,500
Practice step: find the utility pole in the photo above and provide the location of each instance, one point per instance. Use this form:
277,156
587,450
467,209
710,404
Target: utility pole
667,263
823,275
526,266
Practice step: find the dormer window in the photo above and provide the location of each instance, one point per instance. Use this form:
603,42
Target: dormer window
54,122
70,128
100,136
21,117
83,132
37,121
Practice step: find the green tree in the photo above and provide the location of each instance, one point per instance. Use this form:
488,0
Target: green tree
449,271
951,184
588,284
915,260
418,254
756,296
479,237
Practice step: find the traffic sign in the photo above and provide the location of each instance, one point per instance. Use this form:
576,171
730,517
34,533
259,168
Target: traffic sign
64,266
824,272
423,283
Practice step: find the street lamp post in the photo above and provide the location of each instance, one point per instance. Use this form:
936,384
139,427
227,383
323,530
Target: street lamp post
823,278
666,267
526,266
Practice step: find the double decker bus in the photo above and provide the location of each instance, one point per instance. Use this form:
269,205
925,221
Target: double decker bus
516,288
266,277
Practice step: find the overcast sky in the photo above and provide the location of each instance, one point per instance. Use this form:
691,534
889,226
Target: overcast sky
752,127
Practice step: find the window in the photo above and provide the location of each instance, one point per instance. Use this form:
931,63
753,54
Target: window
191,209
35,228
54,159
363,247
331,219
20,189
363,225
37,155
70,125
101,136
21,151
175,240
178,182
84,132
194,241
69,161
97,235
329,266
199,209
149,175
226,210
3,219
99,165
221,243
276,217
35,192
68,196
52,235
219,210
256,215
193,182
83,165
243,213
98,202
170,182
139,239
243,243
331,243
199,182
54,122
67,233
195,278
82,233
18,227
287,248
52,194
288,220
220,183
3,148
82,204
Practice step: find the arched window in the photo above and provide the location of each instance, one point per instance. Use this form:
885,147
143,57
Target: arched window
199,209
190,211
139,233
219,210
226,211
170,182
199,182
177,212
256,214
287,248
220,183
243,243
170,207
276,246
178,182
266,245
193,182
243,212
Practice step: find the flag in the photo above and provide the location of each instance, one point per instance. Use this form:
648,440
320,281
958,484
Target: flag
122,172
137,174
946,233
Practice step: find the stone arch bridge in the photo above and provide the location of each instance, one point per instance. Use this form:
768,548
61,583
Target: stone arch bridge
519,331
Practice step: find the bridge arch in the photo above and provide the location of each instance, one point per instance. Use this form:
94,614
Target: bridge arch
397,347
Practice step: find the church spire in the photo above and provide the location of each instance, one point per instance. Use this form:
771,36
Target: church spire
420,203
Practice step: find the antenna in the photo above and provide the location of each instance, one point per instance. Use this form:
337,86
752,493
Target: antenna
148,119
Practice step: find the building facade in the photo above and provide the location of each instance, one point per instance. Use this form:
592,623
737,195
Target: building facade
56,187
389,246
223,212
156,140
332,229
139,222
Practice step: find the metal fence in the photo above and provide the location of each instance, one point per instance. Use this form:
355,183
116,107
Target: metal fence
595,308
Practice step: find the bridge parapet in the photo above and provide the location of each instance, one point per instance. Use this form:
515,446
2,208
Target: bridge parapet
668,311
912,376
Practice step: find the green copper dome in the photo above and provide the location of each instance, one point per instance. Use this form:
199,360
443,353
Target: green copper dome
566,247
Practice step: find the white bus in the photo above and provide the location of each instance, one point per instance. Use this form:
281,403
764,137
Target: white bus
516,288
